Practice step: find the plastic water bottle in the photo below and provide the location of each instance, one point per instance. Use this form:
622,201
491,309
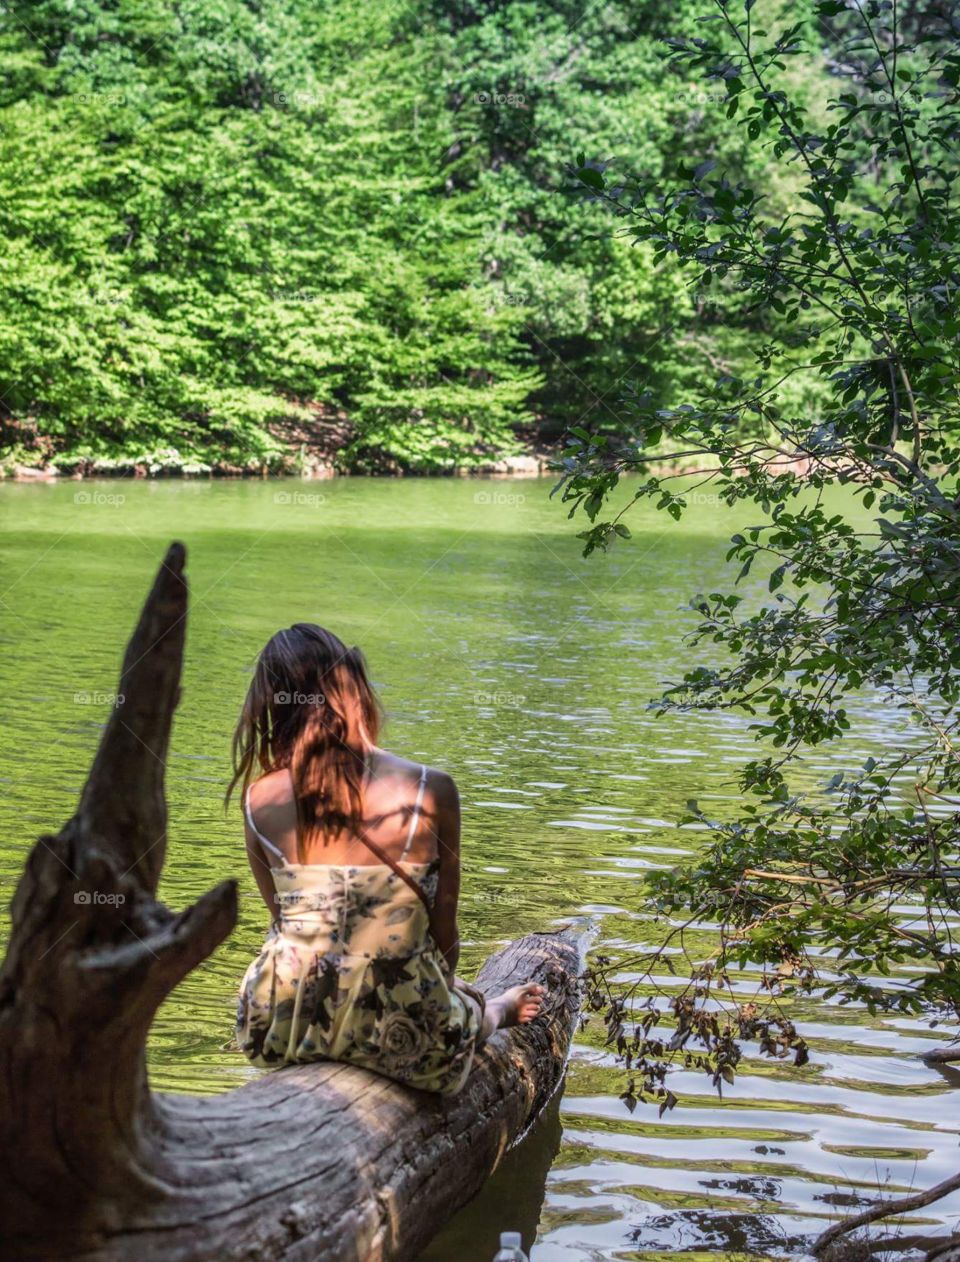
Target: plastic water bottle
510,1248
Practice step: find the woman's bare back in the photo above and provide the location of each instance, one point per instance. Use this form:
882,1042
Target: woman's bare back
391,790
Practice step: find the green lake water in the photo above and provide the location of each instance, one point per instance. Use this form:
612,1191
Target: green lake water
504,657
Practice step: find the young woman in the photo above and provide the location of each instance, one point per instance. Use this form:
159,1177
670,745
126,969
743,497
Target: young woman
357,855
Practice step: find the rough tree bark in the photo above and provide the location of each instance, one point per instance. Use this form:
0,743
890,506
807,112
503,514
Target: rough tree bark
315,1162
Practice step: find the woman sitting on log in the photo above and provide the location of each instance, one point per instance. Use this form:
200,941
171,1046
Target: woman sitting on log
359,962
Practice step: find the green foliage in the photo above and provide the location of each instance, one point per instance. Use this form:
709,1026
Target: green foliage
529,84
218,217
226,222
853,283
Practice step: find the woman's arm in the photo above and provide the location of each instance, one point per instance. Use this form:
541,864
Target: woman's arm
446,826
260,869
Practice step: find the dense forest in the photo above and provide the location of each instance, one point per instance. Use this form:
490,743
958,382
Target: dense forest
857,534
236,231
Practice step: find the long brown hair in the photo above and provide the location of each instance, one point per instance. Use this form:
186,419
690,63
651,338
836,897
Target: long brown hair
310,708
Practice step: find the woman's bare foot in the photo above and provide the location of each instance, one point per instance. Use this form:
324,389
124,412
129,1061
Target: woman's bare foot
519,1005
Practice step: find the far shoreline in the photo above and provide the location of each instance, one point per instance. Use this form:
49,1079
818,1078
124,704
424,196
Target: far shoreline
528,465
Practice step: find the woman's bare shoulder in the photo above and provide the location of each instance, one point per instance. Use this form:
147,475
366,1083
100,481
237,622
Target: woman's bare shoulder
273,789
440,785
443,787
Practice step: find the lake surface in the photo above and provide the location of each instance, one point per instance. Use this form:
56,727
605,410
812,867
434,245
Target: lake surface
523,669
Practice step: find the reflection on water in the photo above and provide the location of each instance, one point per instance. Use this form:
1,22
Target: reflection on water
511,1200
506,658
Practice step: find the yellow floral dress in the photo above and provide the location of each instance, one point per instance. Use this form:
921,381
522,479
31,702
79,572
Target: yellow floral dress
350,971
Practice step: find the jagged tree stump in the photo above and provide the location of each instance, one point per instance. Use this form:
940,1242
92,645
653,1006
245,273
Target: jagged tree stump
315,1162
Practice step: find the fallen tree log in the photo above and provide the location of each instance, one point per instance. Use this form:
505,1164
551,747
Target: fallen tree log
322,1162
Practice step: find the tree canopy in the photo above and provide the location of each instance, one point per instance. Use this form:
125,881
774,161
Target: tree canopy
224,223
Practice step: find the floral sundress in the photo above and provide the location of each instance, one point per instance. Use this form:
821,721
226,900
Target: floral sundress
350,971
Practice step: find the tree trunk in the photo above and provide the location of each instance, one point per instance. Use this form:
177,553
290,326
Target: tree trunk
942,1055
945,1251
313,1162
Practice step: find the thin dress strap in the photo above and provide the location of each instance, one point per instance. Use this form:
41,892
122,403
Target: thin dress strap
264,841
414,818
